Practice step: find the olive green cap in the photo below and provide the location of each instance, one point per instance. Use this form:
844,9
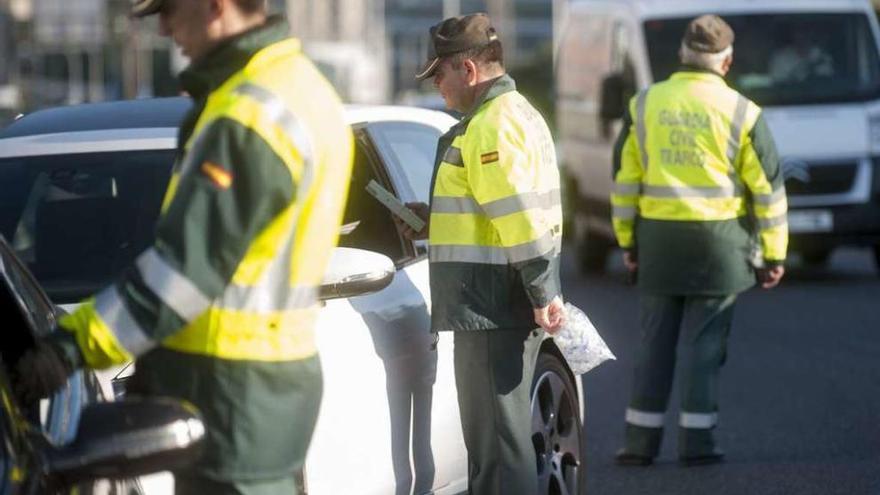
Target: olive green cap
708,34
454,35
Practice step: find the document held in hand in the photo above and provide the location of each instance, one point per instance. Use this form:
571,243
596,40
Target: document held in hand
392,203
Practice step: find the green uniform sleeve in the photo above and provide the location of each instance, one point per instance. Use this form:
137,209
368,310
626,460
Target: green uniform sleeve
628,173
762,174
231,186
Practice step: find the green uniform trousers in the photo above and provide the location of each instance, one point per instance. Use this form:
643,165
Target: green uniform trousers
493,375
700,326
258,416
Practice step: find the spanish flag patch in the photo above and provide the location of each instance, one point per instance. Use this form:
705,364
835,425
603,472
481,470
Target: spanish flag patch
217,174
489,157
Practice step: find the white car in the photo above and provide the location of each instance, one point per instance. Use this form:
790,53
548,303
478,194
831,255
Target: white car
80,189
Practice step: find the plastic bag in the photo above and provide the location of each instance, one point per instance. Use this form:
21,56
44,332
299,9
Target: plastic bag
580,343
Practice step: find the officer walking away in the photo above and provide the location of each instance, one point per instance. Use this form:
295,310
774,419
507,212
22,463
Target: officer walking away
494,237
696,179
220,310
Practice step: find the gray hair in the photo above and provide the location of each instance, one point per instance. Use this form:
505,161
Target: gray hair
702,60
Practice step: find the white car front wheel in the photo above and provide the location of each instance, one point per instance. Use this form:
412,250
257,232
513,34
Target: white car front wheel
556,427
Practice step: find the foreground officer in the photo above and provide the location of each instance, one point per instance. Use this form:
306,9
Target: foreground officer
494,244
220,310
696,176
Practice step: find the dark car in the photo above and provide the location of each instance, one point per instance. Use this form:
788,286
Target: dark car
74,441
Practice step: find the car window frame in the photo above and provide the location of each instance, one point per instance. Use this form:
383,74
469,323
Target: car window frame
395,170
26,283
387,179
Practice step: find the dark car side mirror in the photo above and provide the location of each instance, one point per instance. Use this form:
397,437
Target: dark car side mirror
355,272
128,438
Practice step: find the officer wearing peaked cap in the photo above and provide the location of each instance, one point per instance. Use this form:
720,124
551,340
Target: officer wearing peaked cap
697,184
494,237
220,310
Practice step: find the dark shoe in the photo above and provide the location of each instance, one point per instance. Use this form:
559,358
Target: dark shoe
713,457
624,458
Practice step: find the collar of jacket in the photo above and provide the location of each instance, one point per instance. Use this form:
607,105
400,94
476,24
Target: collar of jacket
230,56
691,72
502,84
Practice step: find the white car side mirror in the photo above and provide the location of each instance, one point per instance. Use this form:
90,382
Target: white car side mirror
355,272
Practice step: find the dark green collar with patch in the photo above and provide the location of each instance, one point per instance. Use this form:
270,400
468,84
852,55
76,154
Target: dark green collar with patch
230,56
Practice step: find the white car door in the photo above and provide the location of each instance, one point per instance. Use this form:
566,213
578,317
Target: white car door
389,418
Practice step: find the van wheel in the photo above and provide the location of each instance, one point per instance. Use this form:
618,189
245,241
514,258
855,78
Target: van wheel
592,250
877,257
556,427
816,257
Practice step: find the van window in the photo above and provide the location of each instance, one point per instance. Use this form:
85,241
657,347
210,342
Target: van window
786,59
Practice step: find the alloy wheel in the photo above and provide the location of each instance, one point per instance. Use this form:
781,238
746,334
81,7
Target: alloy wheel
556,429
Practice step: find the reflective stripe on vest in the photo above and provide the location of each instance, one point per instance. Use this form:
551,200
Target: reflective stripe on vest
495,255
641,128
498,208
279,114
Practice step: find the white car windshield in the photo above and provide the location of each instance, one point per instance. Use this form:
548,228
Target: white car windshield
786,59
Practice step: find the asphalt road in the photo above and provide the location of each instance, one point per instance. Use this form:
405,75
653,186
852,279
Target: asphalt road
800,393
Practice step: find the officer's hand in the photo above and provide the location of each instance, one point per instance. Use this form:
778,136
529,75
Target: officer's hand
41,372
551,316
630,261
770,277
421,210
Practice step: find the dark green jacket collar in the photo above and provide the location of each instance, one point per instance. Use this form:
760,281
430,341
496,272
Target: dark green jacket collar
230,56
700,70
502,84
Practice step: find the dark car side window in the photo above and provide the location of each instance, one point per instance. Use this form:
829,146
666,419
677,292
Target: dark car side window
77,220
367,224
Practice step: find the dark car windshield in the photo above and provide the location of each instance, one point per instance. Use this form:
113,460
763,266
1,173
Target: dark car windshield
786,59
77,220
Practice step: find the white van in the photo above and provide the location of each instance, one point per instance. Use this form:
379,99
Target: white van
812,65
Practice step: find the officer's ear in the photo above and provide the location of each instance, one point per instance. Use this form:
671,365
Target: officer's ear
725,66
217,7
471,72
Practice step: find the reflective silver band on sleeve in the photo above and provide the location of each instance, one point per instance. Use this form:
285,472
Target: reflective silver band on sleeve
114,313
453,156
641,128
702,421
769,223
278,112
172,288
644,419
770,199
730,191
622,189
494,255
620,212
